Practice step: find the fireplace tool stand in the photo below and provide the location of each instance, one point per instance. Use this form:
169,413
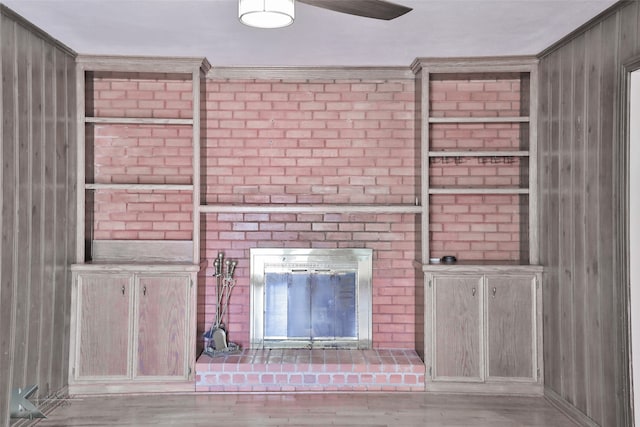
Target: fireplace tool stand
215,339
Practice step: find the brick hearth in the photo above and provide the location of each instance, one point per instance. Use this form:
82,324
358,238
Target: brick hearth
311,370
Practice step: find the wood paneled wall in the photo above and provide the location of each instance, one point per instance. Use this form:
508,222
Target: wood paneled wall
37,221
584,293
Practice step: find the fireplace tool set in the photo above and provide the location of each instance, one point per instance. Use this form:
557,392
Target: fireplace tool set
215,339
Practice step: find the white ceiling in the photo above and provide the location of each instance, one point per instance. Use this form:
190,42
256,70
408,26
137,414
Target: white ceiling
318,37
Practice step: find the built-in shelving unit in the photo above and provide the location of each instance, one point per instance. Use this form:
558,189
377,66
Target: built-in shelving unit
133,317
483,313
478,138
189,70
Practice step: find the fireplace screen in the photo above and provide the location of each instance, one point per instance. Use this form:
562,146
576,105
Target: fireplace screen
311,298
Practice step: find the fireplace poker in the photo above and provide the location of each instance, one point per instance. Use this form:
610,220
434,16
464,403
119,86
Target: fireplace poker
224,285
228,282
217,264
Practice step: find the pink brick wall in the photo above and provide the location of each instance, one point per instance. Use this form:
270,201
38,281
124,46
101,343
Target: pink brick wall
310,142
320,142
143,95
478,136
140,154
479,227
141,215
497,96
469,172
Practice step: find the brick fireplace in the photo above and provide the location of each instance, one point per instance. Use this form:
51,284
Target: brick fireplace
299,157
292,147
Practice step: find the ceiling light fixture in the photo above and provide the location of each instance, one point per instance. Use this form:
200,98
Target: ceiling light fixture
266,13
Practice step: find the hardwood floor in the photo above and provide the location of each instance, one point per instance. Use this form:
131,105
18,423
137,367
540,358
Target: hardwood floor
299,409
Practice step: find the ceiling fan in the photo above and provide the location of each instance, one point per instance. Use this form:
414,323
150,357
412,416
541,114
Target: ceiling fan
280,13
377,9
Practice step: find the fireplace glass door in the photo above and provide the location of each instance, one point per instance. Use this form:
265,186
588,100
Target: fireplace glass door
311,298
318,307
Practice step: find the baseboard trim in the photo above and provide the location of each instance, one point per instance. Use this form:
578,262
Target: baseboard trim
87,388
568,409
514,388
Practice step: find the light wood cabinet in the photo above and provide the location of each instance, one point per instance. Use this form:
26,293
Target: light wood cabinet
457,317
132,329
483,329
510,327
162,325
103,317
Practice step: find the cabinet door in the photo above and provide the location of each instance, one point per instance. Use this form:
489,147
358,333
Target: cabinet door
103,325
162,326
510,327
457,320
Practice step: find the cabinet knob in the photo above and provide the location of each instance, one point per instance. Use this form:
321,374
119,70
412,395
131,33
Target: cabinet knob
122,289
494,292
473,292
144,290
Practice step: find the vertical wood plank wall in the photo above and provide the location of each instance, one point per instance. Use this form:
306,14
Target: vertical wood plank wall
37,220
583,293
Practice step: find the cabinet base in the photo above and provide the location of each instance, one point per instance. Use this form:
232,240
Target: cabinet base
131,387
485,388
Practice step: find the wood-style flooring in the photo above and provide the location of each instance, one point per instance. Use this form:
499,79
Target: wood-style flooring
299,409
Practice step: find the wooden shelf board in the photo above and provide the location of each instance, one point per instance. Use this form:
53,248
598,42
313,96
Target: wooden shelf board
138,120
478,191
468,153
519,119
412,209
483,266
165,187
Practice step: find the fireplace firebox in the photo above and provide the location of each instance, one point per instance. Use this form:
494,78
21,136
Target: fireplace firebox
311,298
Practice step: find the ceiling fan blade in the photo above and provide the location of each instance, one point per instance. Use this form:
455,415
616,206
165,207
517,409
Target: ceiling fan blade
377,9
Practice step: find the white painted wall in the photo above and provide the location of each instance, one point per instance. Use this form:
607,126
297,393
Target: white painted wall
634,236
